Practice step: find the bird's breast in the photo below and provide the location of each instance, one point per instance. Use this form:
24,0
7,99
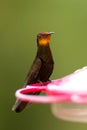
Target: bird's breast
45,71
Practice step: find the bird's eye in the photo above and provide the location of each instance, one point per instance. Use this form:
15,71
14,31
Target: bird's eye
39,36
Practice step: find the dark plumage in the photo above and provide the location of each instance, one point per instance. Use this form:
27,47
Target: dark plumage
41,68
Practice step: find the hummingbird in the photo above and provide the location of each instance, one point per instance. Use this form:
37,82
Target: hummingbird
41,69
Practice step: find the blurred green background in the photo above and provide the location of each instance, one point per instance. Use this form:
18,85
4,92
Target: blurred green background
20,21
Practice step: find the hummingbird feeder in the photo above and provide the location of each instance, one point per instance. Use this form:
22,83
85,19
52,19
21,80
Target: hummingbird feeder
67,95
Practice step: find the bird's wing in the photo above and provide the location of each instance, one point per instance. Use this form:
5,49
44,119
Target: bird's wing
34,71
31,78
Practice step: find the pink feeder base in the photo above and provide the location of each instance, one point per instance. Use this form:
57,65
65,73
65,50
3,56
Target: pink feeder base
68,95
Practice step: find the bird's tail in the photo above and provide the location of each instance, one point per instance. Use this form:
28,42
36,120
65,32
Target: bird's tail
19,106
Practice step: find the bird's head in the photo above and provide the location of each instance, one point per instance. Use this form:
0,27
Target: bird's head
43,39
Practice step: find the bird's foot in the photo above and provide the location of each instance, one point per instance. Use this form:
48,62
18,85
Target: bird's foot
42,83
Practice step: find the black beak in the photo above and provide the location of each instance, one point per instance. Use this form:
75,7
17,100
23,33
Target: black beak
51,33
